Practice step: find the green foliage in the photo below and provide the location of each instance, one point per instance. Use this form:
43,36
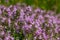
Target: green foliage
44,4
18,36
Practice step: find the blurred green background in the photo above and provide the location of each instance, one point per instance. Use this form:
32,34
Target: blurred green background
53,5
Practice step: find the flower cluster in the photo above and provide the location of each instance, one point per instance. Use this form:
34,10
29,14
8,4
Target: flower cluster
31,23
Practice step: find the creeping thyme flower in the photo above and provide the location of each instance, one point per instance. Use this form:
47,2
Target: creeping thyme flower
22,22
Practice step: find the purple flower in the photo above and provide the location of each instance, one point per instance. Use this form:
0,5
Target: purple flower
26,27
9,21
14,9
8,9
0,12
29,8
10,14
3,19
45,36
8,38
22,13
38,31
50,13
37,10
